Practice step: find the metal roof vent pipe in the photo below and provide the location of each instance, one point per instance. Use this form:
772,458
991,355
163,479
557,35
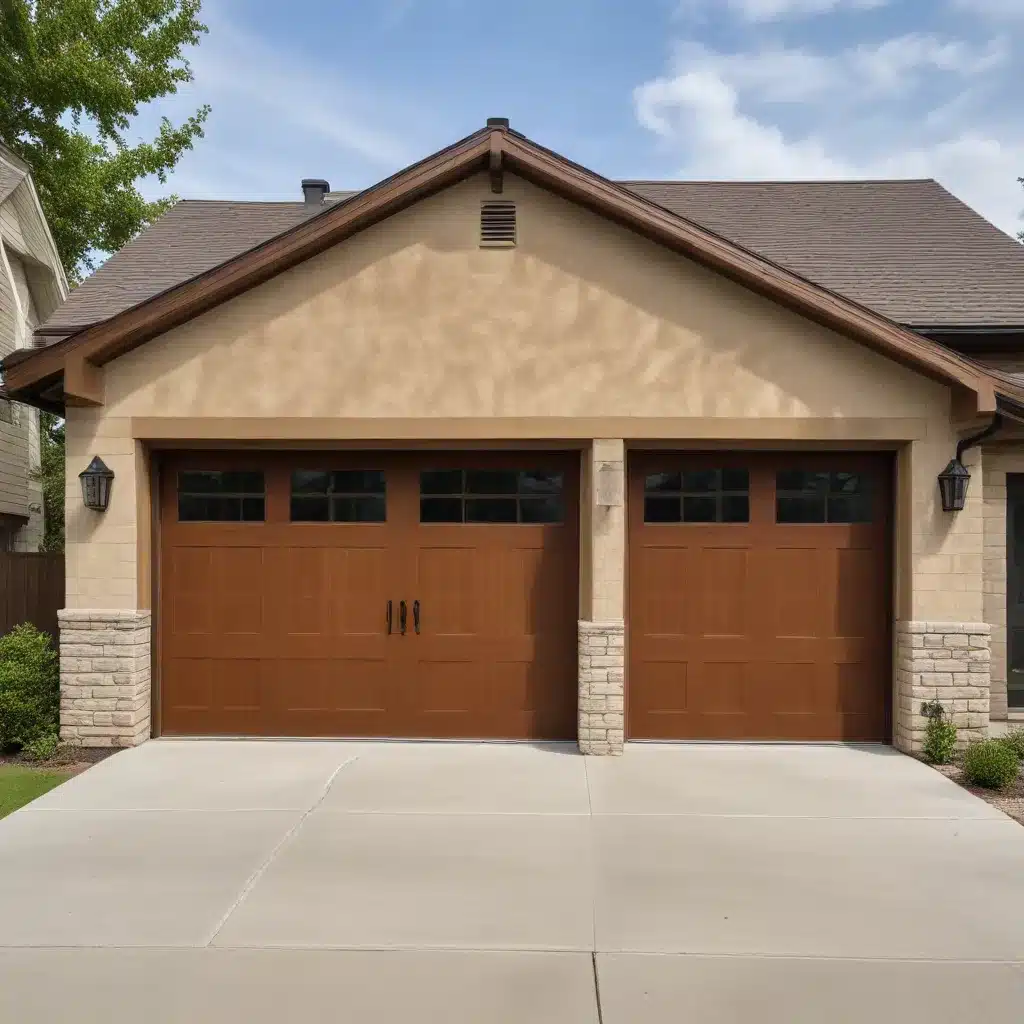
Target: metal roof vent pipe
314,191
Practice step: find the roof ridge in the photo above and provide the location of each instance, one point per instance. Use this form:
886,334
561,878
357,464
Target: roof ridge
776,181
248,202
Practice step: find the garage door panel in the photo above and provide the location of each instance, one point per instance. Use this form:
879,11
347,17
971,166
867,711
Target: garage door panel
719,688
328,592
357,685
237,578
859,690
448,583
279,627
661,608
216,590
858,572
760,629
721,591
228,692
799,597
790,688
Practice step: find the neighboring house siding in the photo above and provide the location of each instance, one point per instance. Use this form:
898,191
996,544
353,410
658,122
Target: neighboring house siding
14,448
10,225
39,249
24,273
9,332
30,536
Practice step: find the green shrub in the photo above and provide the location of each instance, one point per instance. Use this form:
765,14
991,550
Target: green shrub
42,747
939,735
1015,741
29,686
991,764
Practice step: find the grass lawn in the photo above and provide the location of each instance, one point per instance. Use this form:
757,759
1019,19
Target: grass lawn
20,785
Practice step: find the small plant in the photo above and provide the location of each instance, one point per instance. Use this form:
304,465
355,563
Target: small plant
1015,741
29,686
42,748
990,764
939,735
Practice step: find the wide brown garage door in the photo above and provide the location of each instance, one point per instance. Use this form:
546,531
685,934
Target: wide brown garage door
759,596
369,594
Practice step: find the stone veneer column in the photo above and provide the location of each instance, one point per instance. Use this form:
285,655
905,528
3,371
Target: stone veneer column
104,677
944,661
602,651
601,687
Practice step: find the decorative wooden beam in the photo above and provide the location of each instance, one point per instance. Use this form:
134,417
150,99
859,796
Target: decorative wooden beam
83,382
496,163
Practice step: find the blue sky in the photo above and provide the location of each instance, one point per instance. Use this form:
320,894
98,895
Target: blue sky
352,91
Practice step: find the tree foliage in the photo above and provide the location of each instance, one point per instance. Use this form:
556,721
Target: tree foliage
73,74
51,474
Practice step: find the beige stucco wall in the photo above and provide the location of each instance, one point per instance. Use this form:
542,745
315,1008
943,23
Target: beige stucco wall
410,330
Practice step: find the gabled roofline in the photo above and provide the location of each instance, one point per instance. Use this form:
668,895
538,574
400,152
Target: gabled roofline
8,155
58,266
78,358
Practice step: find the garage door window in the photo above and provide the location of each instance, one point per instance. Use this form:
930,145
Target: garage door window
216,496
697,496
338,496
490,496
803,496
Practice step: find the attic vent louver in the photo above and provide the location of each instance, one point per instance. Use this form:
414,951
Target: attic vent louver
498,224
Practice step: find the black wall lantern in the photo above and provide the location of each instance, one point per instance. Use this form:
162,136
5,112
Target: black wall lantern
96,483
953,480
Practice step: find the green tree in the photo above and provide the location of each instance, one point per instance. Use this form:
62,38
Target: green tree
51,474
73,74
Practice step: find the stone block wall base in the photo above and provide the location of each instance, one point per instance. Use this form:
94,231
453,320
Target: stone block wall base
944,661
104,677
602,675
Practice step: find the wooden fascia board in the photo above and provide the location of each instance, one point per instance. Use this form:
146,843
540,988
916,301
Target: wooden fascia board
496,162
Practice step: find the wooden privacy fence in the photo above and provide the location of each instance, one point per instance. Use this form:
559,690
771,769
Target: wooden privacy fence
31,590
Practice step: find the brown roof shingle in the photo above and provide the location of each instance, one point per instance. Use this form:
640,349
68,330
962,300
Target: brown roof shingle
910,250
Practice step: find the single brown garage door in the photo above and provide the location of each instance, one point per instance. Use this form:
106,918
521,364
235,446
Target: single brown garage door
759,596
370,594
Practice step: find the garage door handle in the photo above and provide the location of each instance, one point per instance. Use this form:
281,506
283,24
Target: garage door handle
389,618
416,616
402,612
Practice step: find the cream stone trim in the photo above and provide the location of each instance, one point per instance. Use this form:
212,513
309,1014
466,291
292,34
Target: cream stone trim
546,429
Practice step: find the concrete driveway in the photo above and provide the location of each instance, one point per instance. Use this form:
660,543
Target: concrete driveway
269,881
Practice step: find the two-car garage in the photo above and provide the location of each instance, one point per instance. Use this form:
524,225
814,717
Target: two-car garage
436,594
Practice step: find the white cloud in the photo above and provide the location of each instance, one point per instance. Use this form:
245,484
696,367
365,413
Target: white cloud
779,75
778,113
773,10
